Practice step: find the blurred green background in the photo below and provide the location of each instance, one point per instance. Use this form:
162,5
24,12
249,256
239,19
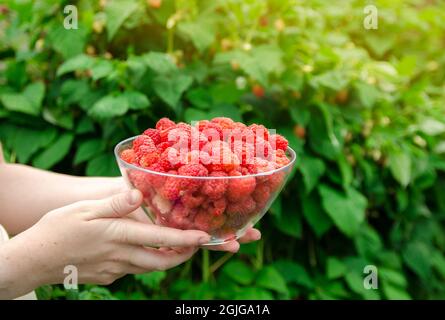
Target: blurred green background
364,109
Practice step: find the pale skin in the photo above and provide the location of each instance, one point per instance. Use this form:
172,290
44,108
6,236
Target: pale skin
95,224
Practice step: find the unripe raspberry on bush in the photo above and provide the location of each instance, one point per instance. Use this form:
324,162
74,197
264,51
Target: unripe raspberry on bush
155,4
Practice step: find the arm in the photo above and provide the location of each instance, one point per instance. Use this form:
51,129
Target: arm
26,193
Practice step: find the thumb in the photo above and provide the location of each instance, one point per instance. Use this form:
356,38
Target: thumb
118,205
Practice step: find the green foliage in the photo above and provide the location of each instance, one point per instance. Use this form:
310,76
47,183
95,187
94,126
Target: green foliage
363,109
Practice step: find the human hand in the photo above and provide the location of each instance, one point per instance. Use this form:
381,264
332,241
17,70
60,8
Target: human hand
92,236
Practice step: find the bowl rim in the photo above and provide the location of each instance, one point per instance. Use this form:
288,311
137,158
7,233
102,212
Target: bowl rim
165,174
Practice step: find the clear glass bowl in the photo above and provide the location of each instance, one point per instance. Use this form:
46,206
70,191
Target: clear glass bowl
223,220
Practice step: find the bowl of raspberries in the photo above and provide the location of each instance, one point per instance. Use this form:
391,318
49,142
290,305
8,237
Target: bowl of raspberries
218,175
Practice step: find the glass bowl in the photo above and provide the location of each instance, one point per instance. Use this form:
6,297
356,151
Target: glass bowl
223,219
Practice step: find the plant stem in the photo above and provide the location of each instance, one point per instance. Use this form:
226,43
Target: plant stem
205,266
218,263
259,255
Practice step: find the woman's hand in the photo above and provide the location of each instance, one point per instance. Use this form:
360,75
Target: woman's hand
92,236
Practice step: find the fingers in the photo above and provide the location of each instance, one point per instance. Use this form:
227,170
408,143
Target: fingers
137,233
233,246
116,206
150,259
251,235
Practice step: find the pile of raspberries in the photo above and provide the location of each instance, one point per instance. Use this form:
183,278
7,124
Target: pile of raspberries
219,150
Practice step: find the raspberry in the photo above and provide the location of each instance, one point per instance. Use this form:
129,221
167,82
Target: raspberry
222,158
157,181
128,156
258,91
197,139
262,148
164,123
198,157
192,170
162,146
244,207
140,180
147,159
260,165
154,135
162,205
261,195
207,222
275,181
178,217
215,207
280,158
235,221
170,159
240,188
244,151
259,131
215,188
192,199
225,123
281,142
171,188
179,138
211,130
143,141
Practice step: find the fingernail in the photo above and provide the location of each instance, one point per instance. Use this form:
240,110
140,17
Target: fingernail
204,240
257,235
133,197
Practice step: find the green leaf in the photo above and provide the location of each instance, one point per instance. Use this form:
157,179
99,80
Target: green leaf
335,268
293,272
239,272
136,100
289,223
35,93
19,103
117,12
79,62
312,169
332,79
152,279
367,94
270,278
400,167
110,106
432,127
396,278
438,262
201,35
72,91
417,257
225,110
68,42
200,98
101,69
192,114
54,153
160,62
347,209
253,293
355,277
315,214
103,165
87,150
368,242
395,293
170,87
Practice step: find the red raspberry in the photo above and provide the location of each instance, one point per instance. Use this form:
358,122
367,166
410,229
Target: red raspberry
280,158
260,165
215,188
259,131
244,207
222,158
162,146
217,207
157,181
147,159
244,151
281,142
224,122
179,138
261,195
192,199
170,159
164,123
211,130
240,188
171,188
262,148
275,180
192,170
140,180
258,91
143,141
128,156
178,217
154,135
207,222
197,139
198,157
